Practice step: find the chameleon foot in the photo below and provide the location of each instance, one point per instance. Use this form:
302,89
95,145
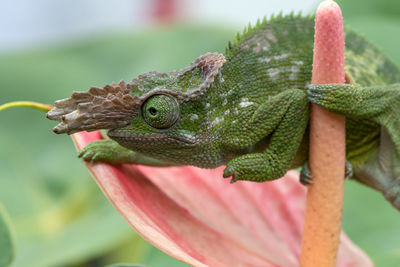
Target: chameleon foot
109,151
257,167
99,151
306,178
229,172
326,95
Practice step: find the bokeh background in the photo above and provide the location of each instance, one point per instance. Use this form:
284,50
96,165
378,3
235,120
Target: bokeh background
49,48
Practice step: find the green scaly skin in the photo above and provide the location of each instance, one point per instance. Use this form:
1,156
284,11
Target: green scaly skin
248,109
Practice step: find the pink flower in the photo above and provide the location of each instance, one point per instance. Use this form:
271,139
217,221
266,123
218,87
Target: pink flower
197,217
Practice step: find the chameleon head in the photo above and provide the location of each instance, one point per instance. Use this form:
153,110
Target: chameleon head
158,125
153,111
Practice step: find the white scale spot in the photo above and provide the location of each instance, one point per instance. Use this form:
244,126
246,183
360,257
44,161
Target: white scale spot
216,121
273,73
207,105
227,112
271,36
261,45
278,57
244,102
194,117
187,134
225,102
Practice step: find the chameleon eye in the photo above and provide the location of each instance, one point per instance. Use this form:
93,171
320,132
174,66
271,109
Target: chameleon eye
160,111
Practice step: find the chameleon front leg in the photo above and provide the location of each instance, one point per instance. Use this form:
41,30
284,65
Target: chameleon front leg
285,118
380,104
110,151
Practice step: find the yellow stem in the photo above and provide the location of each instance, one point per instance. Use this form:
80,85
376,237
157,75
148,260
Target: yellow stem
29,104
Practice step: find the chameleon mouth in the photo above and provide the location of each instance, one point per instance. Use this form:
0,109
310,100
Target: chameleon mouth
129,139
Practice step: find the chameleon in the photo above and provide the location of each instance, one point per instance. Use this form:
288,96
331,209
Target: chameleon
248,109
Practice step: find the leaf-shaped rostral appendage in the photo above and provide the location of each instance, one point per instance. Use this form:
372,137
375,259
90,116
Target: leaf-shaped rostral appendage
99,108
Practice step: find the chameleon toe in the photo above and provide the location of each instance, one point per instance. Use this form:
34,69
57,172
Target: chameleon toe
89,155
314,96
228,172
233,181
96,157
81,153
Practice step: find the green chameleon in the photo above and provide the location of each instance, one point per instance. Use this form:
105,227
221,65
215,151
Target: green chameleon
247,109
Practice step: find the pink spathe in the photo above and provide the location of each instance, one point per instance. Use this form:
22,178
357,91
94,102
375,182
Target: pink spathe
197,217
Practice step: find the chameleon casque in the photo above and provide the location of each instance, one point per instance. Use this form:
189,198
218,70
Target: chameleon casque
247,109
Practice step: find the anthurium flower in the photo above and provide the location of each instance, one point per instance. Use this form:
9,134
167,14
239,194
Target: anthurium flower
199,218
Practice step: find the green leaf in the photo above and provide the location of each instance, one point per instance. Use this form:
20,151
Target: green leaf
6,239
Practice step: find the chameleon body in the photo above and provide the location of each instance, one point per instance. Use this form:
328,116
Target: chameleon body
247,109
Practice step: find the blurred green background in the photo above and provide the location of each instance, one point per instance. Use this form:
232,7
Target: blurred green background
59,215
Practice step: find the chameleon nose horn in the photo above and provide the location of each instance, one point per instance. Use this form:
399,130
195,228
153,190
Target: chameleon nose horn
99,108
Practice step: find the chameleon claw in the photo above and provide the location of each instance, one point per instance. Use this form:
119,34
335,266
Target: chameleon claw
348,170
228,172
306,181
305,175
313,95
95,157
88,155
81,153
